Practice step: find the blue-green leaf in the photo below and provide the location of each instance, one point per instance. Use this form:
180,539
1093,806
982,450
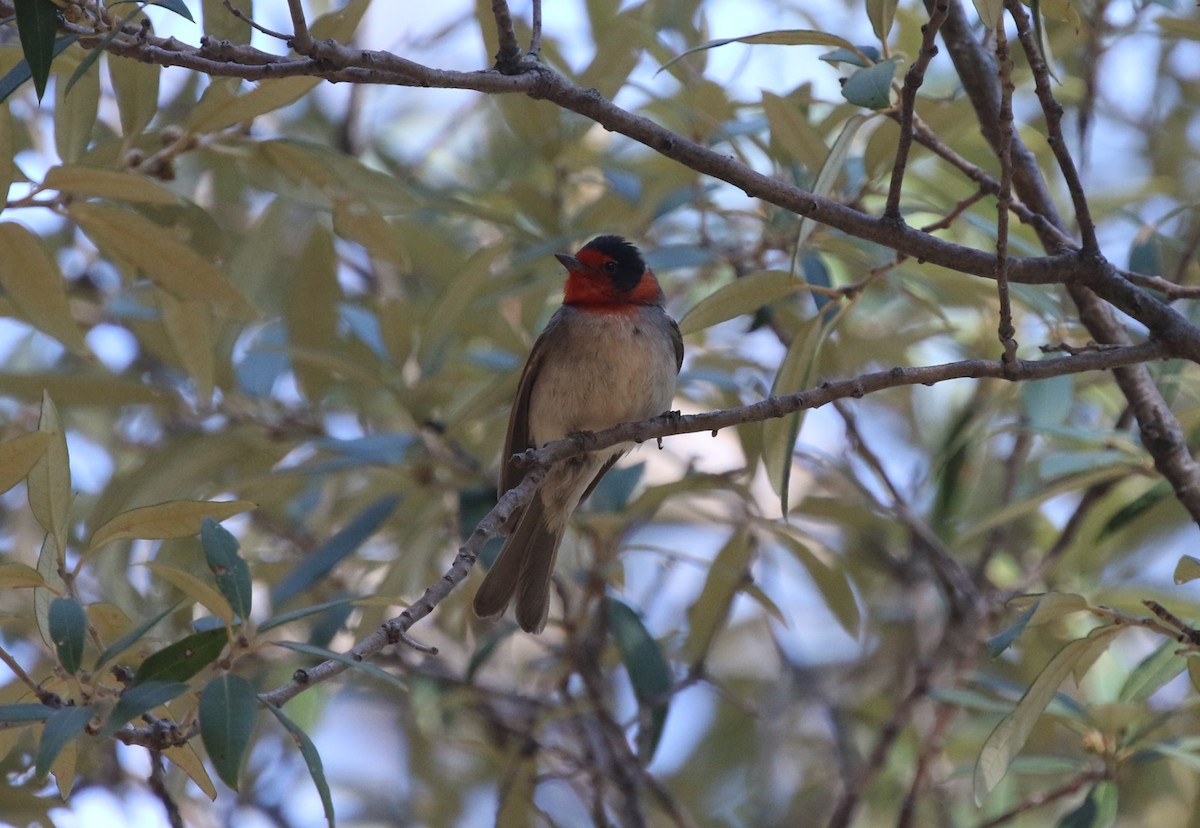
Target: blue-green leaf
321,561
183,659
311,758
229,569
139,698
68,627
648,672
871,86
64,725
228,707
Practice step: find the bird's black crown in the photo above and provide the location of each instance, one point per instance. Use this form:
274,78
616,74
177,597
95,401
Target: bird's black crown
630,265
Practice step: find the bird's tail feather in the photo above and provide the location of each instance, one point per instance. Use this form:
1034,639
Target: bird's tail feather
523,568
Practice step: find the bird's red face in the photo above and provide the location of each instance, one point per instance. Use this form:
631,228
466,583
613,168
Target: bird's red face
608,274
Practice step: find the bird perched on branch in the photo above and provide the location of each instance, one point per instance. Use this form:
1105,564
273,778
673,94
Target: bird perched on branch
609,355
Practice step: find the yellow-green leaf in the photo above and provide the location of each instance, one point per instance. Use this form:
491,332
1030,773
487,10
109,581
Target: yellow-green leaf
18,456
830,578
18,576
119,185
135,85
33,283
81,389
1188,568
157,252
728,573
194,588
742,296
190,329
792,134
1009,736
173,519
830,171
217,112
50,478
190,763
779,435
75,111
8,170
780,37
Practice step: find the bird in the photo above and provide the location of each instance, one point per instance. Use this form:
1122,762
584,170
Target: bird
610,355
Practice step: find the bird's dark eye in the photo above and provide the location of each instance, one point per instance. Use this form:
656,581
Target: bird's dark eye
611,267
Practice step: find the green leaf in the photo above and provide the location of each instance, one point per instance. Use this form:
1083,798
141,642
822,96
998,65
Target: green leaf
1098,809
779,37
1050,605
742,296
183,659
304,612
15,713
871,86
128,639
648,672
830,170
68,627
312,760
94,53
1152,672
230,570
357,664
881,14
19,455
20,73
177,6
37,22
990,11
63,725
321,560
228,708
1188,569
854,56
1009,736
139,699
34,284
1048,402
1002,640
708,613
830,578
779,435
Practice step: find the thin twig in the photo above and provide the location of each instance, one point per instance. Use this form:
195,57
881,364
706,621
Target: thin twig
535,38
301,41
1053,112
508,56
240,15
1004,198
1037,800
908,99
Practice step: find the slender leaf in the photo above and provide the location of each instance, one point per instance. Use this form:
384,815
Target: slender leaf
37,22
321,561
130,638
780,37
62,727
648,671
173,519
303,612
1009,736
312,760
15,713
230,570
183,659
18,456
228,708
20,73
139,699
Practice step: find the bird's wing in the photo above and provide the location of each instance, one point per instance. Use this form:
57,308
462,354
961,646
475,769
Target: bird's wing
518,438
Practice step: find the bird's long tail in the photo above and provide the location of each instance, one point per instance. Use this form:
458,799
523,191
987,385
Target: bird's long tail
523,568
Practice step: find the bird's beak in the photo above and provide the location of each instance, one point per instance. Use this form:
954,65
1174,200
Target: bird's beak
569,262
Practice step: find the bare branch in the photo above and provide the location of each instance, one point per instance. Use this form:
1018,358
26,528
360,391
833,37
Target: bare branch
508,58
1053,110
301,40
535,37
908,100
1004,200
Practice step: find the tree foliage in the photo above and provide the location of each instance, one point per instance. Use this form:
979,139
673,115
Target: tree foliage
267,305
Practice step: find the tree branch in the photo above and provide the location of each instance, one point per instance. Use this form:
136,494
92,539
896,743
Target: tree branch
908,100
